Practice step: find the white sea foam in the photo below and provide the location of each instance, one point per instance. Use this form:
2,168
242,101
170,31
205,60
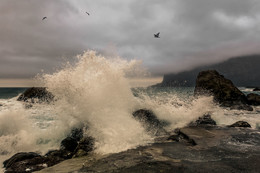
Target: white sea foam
227,117
20,131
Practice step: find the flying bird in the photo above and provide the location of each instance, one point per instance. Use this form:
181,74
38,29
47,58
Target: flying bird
87,12
44,18
157,35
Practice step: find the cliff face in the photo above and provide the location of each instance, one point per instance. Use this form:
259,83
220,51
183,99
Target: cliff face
243,71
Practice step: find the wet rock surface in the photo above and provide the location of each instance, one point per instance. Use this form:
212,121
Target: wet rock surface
150,122
28,162
216,151
210,82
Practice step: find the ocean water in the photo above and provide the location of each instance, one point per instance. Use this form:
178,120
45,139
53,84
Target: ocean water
7,93
95,92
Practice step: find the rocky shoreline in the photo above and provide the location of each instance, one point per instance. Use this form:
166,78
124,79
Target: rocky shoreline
201,146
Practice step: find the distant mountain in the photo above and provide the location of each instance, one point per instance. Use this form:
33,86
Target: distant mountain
242,71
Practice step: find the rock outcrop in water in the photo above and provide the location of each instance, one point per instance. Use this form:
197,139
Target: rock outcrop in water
150,121
77,144
36,94
204,120
253,99
240,124
210,82
256,89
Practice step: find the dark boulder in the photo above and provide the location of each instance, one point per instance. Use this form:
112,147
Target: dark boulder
76,133
29,165
240,124
204,120
85,145
69,144
150,121
26,162
253,99
36,94
30,162
181,136
256,89
19,157
210,82
75,144
174,137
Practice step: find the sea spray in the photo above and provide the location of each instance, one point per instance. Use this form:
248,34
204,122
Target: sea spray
95,92
224,116
19,132
176,108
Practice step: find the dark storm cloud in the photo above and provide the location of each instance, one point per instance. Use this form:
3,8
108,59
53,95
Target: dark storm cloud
192,32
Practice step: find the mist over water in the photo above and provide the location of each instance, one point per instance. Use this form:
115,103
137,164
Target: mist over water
95,92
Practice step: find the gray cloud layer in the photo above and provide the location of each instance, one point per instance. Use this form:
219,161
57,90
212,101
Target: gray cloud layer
192,32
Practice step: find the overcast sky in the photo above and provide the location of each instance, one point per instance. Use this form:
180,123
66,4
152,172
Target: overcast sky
193,32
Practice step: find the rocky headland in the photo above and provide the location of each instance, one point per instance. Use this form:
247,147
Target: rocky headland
243,71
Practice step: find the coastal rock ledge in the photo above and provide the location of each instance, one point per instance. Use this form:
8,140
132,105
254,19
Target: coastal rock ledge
225,93
195,149
202,146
